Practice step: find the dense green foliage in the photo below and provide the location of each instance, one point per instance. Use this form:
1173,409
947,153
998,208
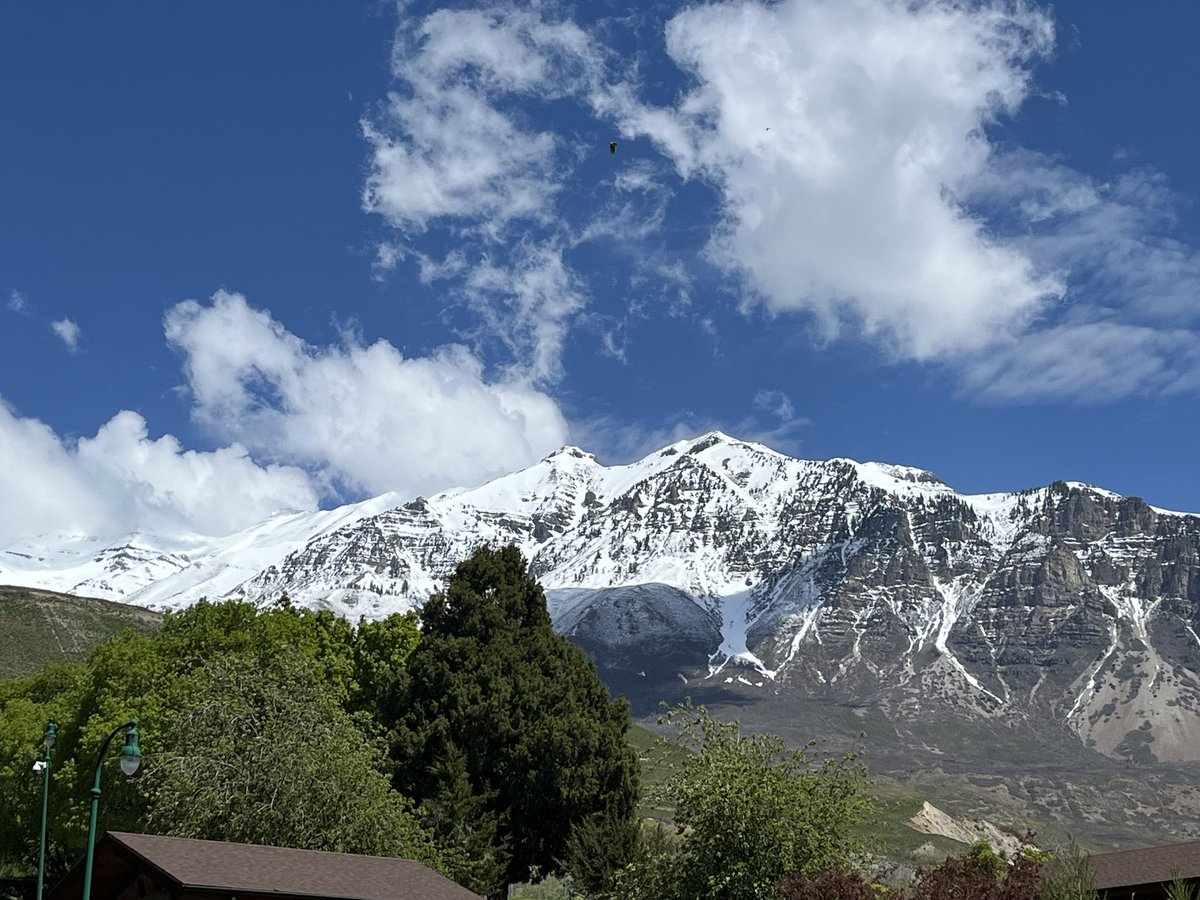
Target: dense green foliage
253,701
265,756
750,811
503,731
25,707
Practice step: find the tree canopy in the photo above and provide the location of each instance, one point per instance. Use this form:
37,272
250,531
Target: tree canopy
749,811
502,729
264,755
236,704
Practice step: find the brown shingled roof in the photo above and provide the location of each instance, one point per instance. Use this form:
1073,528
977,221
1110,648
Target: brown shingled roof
1149,865
207,866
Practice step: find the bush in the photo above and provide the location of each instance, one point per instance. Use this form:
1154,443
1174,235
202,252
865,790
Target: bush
830,884
967,877
749,811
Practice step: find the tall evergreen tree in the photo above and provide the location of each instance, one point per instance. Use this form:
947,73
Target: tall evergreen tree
492,699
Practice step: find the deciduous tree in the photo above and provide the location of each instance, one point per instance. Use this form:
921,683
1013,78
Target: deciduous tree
265,755
750,810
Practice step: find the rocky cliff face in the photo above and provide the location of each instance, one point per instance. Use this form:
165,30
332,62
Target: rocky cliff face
1065,605
1065,610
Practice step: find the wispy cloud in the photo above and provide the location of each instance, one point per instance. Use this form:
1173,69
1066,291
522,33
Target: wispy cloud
529,304
452,150
68,332
775,403
1089,362
1131,325
17,302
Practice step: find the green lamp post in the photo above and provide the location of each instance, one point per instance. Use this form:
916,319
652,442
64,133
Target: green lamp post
42,767
131,758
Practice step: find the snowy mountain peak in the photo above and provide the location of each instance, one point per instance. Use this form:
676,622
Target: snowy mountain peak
900,479
570,452
756,567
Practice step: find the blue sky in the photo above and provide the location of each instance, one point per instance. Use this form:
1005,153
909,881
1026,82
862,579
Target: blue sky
271,255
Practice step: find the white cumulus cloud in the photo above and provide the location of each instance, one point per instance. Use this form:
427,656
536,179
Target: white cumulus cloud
364,417
122,480
843,138
847,143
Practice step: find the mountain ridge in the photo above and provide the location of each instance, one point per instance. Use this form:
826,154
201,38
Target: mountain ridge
720,561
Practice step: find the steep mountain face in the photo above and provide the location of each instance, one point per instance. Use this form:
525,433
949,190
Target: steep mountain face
1065,611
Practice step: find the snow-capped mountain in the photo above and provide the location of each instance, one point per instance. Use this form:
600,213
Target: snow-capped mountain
716,561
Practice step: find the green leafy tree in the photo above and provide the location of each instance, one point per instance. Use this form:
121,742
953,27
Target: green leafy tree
155,676
981,857
493,704
380,653
750,811
167,677
26,705
598,848
238,628
266,756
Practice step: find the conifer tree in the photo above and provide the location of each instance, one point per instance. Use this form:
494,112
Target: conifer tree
492,698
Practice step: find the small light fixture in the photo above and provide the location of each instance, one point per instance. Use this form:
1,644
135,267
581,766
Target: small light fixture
50,736
39,767
131,753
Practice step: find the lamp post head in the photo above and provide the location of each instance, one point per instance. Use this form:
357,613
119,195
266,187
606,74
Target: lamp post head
131,753
50,735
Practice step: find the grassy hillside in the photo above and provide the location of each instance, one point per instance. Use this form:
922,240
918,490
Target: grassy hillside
39,627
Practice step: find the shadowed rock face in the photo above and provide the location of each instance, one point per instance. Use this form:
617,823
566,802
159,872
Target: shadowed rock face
647,640
647,624
1082,613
